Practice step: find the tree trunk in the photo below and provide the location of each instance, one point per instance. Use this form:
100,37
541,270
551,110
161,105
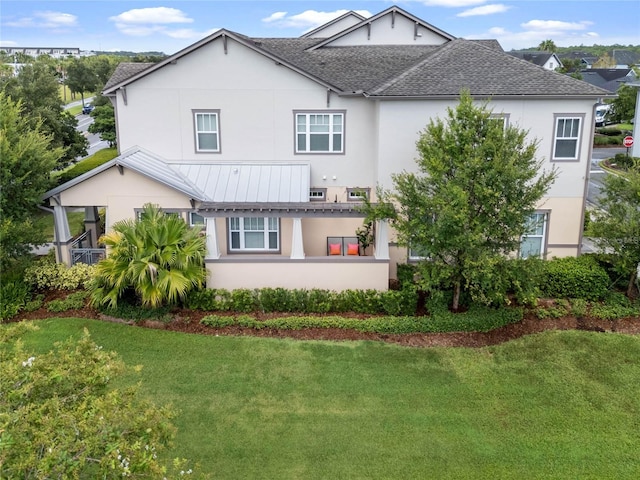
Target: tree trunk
631,285
456,296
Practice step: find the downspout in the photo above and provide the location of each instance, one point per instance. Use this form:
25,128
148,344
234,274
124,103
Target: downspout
587,178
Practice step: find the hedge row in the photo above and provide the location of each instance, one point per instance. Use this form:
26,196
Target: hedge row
575,277
391,302
480,319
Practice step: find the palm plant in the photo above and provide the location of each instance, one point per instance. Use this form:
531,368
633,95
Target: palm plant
158,256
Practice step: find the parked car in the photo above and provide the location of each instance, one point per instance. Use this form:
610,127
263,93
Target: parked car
87,109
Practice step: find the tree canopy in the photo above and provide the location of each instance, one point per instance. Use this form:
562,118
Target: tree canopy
36,87
28,156
548,46
616,227
466,208
624,105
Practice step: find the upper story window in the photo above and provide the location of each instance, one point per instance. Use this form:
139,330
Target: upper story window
566,141
318,194
319,132
357,194
254,234
195,219
207,131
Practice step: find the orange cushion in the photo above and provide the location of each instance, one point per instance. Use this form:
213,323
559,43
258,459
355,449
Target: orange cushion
352,249
334,249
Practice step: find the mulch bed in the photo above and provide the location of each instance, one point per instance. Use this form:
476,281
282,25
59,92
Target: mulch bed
188,321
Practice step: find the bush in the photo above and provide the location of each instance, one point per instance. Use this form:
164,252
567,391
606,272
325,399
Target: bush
13,297
48,275
609,131
607,140
624,161
95,160
73,301
571,277
61,418
478,319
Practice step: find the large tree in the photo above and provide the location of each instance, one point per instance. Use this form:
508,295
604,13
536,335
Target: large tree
81,77
616,227
28,157
466,207
36,86
624,105
548,46
158,256
104,120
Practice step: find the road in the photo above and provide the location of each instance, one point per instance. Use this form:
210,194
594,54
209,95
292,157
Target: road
95,143
596,175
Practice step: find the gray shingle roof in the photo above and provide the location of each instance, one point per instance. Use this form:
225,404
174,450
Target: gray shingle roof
480,66
125,70
537,58
484,72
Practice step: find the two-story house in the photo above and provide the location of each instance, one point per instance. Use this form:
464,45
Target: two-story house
269,143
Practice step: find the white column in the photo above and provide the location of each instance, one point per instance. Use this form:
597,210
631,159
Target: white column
63,234
382,240
297,247
212,238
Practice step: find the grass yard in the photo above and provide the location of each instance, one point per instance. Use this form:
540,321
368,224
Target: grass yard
557,405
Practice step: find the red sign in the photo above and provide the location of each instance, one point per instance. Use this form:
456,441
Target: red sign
627,141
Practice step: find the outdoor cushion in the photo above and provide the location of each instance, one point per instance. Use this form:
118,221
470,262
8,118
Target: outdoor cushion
352,249
334,249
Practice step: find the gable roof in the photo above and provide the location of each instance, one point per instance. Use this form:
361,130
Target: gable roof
226,182
349,16
608,78
389,11
537,58
393,71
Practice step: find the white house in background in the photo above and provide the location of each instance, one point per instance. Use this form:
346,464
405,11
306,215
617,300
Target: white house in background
269,143
546,60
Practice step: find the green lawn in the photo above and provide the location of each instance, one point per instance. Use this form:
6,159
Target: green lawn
558,405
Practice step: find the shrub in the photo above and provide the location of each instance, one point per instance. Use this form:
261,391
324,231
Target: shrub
572,277
609,131
62,406
607,140
73,301
48,275
13,297
406,273
624,161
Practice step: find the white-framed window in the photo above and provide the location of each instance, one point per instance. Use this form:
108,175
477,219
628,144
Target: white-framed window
195,219
254,234
319,132
566,140
532,244
207,130
501,119
357,194
318,194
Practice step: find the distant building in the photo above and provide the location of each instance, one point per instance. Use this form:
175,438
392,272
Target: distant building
608,78
547,60
54,52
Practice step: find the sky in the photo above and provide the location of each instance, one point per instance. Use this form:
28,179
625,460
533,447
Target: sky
169,26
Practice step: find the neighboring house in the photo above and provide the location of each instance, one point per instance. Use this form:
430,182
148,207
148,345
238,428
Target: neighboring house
270,143
547,60
609,78
625,58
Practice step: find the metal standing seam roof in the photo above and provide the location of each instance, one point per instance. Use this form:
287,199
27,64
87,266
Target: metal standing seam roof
214,182
249,182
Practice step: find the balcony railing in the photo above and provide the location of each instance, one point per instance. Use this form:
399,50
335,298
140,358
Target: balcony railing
81,251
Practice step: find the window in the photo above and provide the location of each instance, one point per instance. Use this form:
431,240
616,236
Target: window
502,120
357,194
319,132
532,243
253,234
567,136
207,131
317,194
195,219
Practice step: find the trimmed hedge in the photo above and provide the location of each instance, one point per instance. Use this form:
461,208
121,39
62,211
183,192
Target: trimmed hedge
571,277
374,302
479,319
95,160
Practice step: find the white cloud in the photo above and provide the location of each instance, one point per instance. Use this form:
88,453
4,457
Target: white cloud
8,43
307,19
451,3
274,17
154,16
484,10
45,19
554,25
